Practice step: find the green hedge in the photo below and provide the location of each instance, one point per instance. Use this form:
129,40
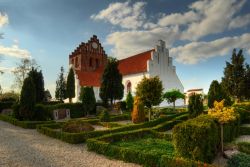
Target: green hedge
76,138
197,139
244,130
239,160
244,147
76,109
5,105
23,124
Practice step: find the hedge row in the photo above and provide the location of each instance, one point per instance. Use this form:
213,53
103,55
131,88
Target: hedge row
76,138
103,145
5,105
244,147
23,124
244,130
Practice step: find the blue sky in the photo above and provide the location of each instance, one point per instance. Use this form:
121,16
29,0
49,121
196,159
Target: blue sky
200,34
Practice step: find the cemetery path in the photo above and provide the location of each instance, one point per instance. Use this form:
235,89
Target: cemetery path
27,148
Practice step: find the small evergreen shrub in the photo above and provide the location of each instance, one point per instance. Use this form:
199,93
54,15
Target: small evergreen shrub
197,139
42,113
88,100
77,127
123,105
244,147
104,116
138,114
195,105
239,160
76,109
129,102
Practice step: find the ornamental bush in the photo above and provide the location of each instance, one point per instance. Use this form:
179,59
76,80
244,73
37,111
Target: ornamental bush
138,114
197,138
239,160
77,127
129,102
195,105
87,97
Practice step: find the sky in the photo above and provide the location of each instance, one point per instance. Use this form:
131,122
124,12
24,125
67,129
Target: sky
200,35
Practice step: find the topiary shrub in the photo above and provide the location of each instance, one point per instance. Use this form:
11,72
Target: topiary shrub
42,113
195,105
239,160
77,127
104,116
197,139
138,114
129,102
87,97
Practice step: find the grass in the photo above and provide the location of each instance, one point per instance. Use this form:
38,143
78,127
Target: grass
149,145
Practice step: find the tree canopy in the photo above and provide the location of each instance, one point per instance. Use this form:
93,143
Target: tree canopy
172,95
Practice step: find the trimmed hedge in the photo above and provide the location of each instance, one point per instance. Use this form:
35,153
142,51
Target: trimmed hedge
244,147
23,124
244,130
239,160
76,109
5,105
197,139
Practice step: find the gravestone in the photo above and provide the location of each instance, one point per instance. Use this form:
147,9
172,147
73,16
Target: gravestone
61,114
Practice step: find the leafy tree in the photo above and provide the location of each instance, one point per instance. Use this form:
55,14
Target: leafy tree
217,93
223,115
27,99
234,73
138,114
47,95
60,92
22,70
195,105
111,84
87,97
9,96
129,102
70,88
149,90
172,95
38,81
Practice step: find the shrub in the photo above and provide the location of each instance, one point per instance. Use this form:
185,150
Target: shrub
77,127
9,97
52,102
195,105
42,113
244,130
138,114
123,105
244,147
239,160
104,116
197,139
5,105
76,109
87,97
129,102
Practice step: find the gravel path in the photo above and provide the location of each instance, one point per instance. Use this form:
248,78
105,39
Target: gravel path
27,148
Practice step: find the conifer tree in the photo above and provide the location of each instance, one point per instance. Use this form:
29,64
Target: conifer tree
234,72
60,92
247,82
129,102
87,97
70,88
111,84
195,105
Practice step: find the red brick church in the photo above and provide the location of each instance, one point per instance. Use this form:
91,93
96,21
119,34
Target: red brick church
89,60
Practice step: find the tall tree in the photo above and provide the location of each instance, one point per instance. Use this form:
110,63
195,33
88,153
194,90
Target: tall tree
111,84
22,70
38,81
27,99
150,91
234,73
70,88
60,92
217,93
172,95
87,96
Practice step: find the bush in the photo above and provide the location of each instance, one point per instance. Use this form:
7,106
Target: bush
16,108
77,127
123,105
244,147
5,105
42,113
239,160
88,100
52,102
244,130
138,114
197,139
104,116
9,97
195,105
129,102
76,109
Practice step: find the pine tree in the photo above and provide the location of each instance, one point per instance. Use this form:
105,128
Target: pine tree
129,102
38,81
87,97
217,93
233,81
111,84
70,88
60,92
149,90
27,99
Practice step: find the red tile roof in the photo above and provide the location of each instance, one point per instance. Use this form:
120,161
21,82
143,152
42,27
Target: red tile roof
135,64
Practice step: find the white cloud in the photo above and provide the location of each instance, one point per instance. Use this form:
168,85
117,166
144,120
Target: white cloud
195,52
7,69
3,19
14,51
131,42
123,14
240,21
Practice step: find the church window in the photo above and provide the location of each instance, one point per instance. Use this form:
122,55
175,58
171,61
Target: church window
90,62
129,87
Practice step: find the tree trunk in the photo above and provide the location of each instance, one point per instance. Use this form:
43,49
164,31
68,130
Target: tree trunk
149,114
174,106
222,138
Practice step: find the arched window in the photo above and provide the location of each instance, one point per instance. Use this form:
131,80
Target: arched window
90,62
129,87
